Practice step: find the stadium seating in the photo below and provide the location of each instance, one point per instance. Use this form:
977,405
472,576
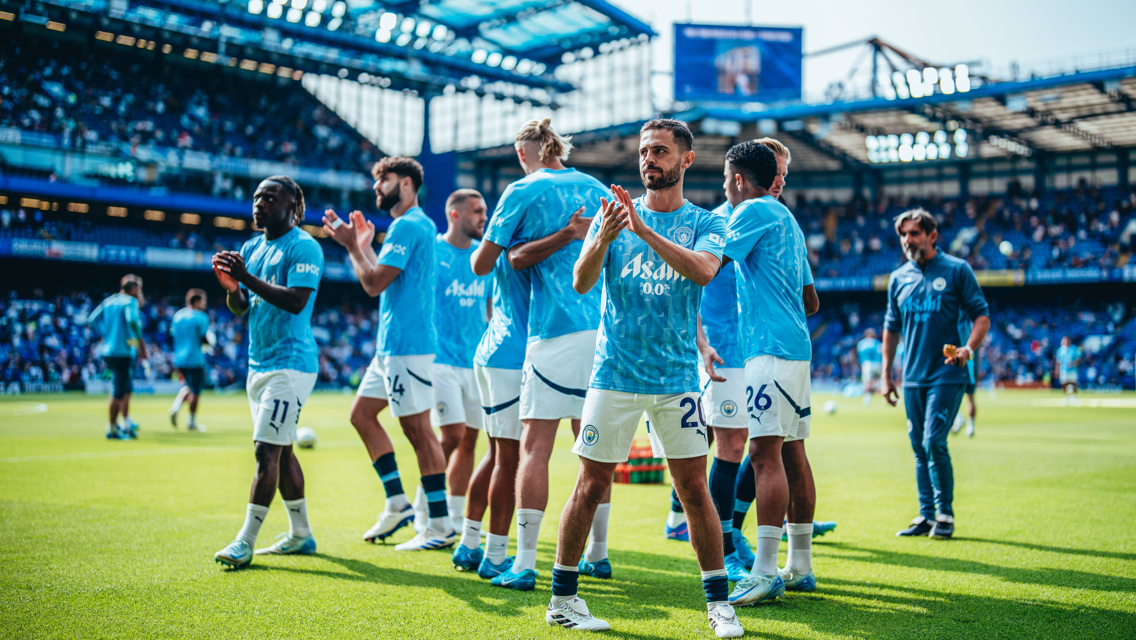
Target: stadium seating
137,98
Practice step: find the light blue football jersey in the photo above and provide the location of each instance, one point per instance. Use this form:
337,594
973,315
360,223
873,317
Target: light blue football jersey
188,329
278,339
720,309
406,307
536,206
648,333
119,320
1066,356
460,304
773,270
503,344
869,350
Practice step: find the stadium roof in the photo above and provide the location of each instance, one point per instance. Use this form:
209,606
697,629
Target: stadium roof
408,44
1080,111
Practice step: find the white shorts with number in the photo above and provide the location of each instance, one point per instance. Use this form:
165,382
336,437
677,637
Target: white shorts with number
556,376
1069,377
500,391
778,394
869,371
611,418
456,399
404,381
724,402
275,399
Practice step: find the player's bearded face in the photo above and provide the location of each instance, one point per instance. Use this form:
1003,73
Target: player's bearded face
657,177
390,196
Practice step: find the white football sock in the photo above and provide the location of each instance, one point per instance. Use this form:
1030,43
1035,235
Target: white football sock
675,518
298,518
254,517
597,542
442,525
471,534
528,530
176,406
800,560
496,548
397,504
192,419
456,506
421,510
768,541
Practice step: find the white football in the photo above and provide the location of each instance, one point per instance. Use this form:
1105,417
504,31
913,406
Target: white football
829,407
306,437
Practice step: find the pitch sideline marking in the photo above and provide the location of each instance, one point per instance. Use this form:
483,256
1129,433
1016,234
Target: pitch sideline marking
32,408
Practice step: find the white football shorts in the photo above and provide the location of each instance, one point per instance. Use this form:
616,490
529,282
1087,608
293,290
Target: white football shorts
611,418
778,397
403,381
456,399
724,402
556,376
275,399
500,391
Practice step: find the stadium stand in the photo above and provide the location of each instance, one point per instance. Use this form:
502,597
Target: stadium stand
89,95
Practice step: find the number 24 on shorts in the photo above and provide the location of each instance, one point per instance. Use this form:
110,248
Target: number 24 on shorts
759,401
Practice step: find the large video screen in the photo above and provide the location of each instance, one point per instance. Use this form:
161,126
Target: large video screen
730,63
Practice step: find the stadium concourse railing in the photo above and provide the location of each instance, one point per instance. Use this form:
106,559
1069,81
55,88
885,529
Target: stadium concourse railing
190,260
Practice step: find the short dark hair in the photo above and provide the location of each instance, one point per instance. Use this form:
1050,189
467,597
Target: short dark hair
193,295
682,135
400,166
129,282
755,161
459,198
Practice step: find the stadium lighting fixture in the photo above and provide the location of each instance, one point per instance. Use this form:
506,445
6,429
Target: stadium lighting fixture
334,24
586,53
440,32
299,4
338,9
946,82
423,29
479,56
930,79
900,86
538,68
915,83
388,21
962,78
382,35
568,57
407,24
932,151
319,5
294,15
524,66
962,149
256,6
403,39
313,19
509,63
919,152
275,11
494,59
921,146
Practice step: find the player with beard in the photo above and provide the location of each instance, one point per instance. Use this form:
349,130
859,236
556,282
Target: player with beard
460,316
927,297
646,361
274,279
402,275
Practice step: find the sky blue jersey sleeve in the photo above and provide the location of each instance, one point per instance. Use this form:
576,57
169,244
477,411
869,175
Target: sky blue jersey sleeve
806,271
506,218
971,299
306,265
400,241
95,318
711,236
134,319
891,318
742,233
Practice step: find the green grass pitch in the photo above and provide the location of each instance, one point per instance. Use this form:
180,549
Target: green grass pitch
116,539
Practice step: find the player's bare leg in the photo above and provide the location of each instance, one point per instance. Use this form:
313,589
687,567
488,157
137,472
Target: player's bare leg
799,525
459,444
298,539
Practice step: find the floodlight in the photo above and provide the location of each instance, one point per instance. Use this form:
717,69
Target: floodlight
962,78
299,4
946,82
538,68
906,139
423,29
524,66
494,59
407,24
919,153
338,9
900,85
873,156
256,6
915,83
961,149
479,56
313,19
893,155
944,150
388,21
275,11
932,151
930,79
922,137
294,15
382,35
905,153
403,39
334,24
960,136
893,141
319,5
509,63
872,143
940,136
440,32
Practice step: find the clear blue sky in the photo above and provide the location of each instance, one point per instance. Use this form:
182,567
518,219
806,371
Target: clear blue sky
998,31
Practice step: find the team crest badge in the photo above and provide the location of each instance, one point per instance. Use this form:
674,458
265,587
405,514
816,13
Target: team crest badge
442,408
938,284
729,408
683,236
590,435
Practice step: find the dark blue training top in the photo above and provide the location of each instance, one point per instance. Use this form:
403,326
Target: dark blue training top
924,306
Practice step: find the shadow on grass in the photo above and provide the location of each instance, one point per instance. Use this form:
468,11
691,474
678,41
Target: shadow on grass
1068,578
875,610
1115,555
620,599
